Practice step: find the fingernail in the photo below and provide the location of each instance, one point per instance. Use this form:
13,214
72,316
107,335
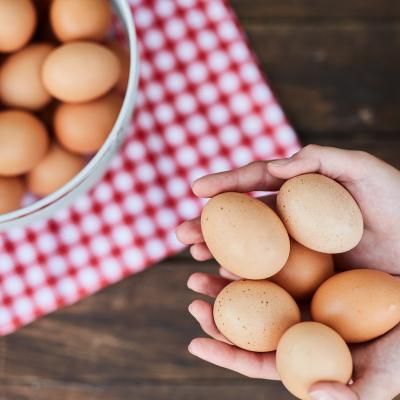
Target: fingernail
192,186
318,395
190,308
281,162
190,347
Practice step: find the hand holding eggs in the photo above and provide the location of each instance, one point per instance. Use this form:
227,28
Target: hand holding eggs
260,314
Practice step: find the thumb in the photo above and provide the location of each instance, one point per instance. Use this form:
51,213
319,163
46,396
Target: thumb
332,391
342,165
365,388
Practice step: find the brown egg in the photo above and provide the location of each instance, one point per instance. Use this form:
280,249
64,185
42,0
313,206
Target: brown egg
54,171
254,315
244,235
80,71
124,58
17,24
359,304
310,352
83,128
78,20
23,142
320,213
304,271
20,78
11,192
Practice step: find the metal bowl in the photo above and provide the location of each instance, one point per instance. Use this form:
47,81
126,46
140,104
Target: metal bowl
96,167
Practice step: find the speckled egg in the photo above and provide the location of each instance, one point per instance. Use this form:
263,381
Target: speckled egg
254,315
320,214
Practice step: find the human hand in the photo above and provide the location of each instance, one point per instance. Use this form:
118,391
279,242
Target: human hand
376,363
375,185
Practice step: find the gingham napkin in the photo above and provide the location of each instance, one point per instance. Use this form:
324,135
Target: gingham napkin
203,106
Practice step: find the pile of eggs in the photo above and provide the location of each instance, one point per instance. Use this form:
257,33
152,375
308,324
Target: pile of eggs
286,258
62,81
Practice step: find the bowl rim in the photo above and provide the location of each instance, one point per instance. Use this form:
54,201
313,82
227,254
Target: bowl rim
128,102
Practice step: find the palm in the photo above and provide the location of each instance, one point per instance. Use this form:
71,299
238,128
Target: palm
376,196
374,362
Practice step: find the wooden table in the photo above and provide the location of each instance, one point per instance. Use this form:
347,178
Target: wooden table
335,66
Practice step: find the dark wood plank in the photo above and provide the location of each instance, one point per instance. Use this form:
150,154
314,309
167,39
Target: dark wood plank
384,146
334,78
307,9
147,391
129,338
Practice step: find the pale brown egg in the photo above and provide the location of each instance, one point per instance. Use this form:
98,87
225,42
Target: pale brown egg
80,20
83,128
20,78
359,304
17,23
310,352
320,213
80,71
244,235
304,271
254,315
11,192
124,58
23,142
57,168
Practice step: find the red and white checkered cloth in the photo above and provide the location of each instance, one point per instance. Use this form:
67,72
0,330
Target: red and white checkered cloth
203,107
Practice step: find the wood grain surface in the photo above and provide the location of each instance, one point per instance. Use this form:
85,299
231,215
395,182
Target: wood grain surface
335,68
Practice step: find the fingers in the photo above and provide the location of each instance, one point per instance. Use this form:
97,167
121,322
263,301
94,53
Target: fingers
339,164
253,365
203,313
206,284
367,388
228,275
251,177
200,252
375,386
189,232
332,391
